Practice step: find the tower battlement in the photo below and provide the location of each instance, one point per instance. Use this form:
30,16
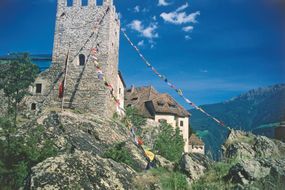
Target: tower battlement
78,3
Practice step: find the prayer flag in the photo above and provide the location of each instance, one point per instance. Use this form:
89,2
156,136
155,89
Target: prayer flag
61,89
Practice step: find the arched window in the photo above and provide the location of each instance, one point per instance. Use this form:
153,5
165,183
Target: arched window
81,60
33,106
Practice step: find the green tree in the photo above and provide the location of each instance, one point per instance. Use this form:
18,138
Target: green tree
20,153
135,118
169,143
15,78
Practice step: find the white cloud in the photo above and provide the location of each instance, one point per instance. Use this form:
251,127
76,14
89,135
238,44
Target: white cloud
147,32
179,17
183,7
163,3
141,43
137,9
187,37
187,28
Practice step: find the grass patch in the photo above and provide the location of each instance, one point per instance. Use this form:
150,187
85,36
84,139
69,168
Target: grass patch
213,178
166,180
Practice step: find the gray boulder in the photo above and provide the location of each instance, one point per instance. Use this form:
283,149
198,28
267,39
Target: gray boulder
164,163
247,171
257,159
195,165
81,170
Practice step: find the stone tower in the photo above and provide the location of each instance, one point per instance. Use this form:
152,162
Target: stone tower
79,29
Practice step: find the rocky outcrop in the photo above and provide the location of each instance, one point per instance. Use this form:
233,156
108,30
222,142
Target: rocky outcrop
82,141
244,145
195,165
149,132
164,163
256,158
81,170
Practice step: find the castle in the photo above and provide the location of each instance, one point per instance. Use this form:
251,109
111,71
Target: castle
85,36
82,31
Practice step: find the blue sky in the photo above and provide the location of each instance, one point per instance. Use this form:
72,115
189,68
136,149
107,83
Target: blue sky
213,50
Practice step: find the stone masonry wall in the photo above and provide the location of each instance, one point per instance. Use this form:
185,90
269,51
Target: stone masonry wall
73,36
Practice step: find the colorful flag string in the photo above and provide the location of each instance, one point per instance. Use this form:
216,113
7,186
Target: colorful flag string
165,79
102,77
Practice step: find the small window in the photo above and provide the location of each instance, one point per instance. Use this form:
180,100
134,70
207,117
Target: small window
120,90
172,105
162,121
181,123
33,106
38,88
81,60
133,99
129,105
160,103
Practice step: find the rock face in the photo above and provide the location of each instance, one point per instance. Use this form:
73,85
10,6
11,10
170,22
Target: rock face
82,140
81,170
195,165
257,158
150,131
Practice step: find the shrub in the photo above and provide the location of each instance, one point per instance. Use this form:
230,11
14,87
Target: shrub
120,153
169,143
18,154
133,116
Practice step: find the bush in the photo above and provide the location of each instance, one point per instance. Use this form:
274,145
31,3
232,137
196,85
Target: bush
136,120
169,143
18,154
120,153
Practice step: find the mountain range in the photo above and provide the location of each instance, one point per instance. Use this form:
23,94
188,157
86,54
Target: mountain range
258,111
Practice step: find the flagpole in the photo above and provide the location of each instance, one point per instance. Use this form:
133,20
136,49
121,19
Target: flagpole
64,80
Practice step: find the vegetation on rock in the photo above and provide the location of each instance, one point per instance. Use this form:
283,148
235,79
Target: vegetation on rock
120,153
250,162
161,178
169,143
136,120
18,154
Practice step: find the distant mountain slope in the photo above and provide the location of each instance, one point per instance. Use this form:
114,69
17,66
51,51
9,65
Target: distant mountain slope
258,110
